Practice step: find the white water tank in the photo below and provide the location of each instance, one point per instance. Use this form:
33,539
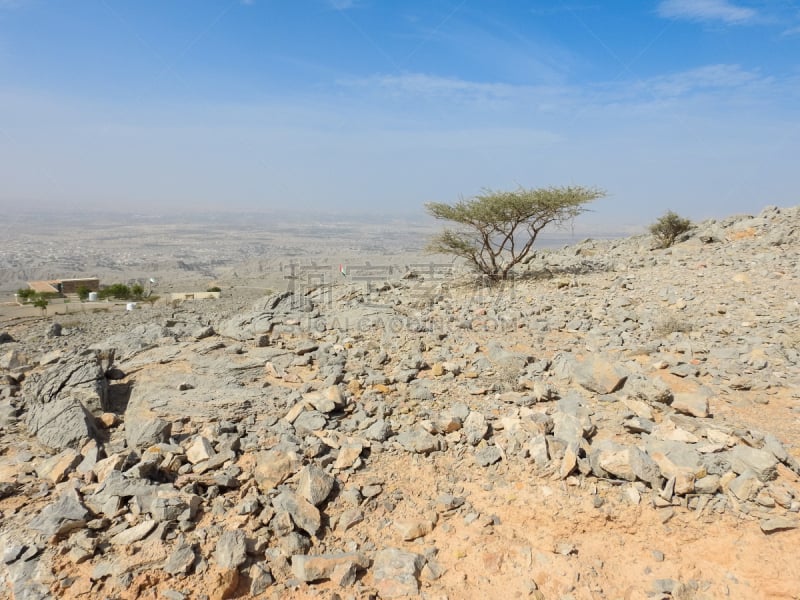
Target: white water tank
92,296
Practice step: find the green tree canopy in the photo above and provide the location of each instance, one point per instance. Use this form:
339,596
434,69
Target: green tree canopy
497,229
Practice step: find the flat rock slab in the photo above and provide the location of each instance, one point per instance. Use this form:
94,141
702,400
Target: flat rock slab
779,524
64,515
314,568
56,468
134,534
695,405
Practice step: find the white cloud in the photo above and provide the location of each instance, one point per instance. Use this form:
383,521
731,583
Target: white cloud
452,91
706,78
706,10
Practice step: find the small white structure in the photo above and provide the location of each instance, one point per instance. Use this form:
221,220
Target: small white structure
92,296
130,306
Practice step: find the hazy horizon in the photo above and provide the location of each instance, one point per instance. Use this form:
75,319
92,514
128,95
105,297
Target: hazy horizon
356,107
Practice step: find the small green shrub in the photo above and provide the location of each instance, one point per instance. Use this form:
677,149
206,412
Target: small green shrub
83,292
120,291
214,289
26,294
668,227
137,291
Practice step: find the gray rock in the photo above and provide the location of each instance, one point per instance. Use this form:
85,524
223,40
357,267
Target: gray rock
599,374
609,459
260,579
12,552
773,445
54,330
396,572
418,441
171,507
79,375
652,390
314,484
761,462
694,404
505,359
304,514
475,427
745,486
488,456
142,431
64,515
568,428
309,421
538,451
26,580
133,534
321,566
707,485
638,425
60,423
181,560
231,550
130,343
778,524
379,431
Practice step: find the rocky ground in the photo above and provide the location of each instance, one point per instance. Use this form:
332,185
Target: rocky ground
620,422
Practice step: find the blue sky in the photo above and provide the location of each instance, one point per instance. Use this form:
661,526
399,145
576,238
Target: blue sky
343,106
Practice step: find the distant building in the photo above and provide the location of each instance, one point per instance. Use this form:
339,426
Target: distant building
65,286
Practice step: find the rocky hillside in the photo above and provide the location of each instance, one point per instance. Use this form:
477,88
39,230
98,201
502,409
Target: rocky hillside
620,422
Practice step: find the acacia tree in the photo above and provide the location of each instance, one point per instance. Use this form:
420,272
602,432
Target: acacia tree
497,229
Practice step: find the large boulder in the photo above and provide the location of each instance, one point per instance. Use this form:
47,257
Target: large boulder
80,375
264,315
62,423
61,400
